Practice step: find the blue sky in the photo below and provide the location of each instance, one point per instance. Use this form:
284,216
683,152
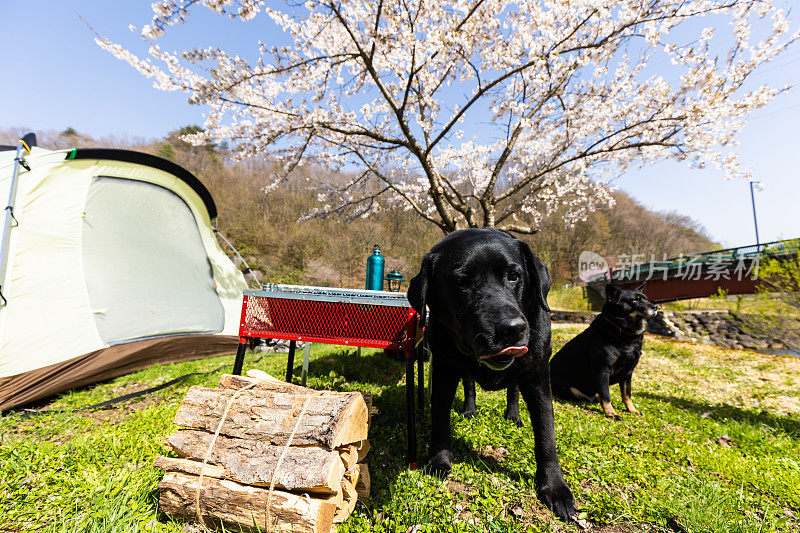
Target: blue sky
55,76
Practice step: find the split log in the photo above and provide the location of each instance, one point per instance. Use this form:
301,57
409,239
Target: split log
330,420
363,485
323,463
353,453
363,450
244,506
187,466
262,381
336,498
349,496
370,409
349,455
311,469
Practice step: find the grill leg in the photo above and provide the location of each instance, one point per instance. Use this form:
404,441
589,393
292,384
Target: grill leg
290,361
306,355
411,424
420,382
239,361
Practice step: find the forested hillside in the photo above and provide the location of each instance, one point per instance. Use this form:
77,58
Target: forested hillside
266,229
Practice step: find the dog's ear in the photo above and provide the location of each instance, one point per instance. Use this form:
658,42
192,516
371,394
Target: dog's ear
418,288
641,287
612,292
538,277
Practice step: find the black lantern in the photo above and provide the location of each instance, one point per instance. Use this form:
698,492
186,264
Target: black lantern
395,279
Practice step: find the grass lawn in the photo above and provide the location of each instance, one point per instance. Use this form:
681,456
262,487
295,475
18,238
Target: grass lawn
718,449
568,299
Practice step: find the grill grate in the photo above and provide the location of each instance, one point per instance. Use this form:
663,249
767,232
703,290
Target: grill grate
333,317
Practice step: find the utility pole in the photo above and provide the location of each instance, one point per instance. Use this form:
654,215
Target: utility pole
758,186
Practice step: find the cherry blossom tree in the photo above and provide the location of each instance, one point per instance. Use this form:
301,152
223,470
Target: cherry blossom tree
476,112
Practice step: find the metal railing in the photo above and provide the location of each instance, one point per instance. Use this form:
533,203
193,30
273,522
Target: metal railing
727,255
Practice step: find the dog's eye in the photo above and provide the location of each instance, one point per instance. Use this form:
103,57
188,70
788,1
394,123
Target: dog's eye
512,275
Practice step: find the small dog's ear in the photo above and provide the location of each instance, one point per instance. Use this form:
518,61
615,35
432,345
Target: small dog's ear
612,292
641,287
418,288
538,277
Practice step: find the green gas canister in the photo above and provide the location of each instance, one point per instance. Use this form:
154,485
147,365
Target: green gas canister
375,264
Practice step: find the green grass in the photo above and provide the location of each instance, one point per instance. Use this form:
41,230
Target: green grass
718,449
746,303
568,299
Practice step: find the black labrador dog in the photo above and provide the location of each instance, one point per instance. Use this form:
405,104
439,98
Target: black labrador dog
488,319
512,402
605,353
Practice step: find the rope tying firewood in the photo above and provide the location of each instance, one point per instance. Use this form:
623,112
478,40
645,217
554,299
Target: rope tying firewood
231,461
268,524
211,447
274,477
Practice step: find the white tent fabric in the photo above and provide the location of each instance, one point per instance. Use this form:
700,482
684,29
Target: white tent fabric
108,252
135,231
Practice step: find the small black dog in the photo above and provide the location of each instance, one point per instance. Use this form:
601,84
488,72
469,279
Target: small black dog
512,402
489,320
605,353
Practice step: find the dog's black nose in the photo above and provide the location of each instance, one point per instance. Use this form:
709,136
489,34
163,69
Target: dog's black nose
510,330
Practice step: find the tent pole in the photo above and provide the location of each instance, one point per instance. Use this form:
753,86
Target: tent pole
9,212
246,266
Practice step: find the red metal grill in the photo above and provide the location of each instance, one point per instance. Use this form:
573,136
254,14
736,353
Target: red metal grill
372,319
356,324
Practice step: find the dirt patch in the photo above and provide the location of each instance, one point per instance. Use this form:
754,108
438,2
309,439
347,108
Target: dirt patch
458,488
588,486
725,441
121,410
127,388
529,512
115,413
627,528
462,494
495,453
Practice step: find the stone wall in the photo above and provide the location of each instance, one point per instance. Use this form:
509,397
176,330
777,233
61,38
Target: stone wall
720,328
573,317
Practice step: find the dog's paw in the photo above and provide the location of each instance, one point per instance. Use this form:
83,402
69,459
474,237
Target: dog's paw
440,464
469,413
558,498
615,416
514,417
636,412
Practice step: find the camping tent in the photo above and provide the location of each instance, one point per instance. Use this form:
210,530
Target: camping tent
112,265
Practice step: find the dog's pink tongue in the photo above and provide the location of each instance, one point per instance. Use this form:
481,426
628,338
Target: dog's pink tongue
516,351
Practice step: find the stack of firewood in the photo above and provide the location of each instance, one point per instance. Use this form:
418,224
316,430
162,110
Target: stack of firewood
316,439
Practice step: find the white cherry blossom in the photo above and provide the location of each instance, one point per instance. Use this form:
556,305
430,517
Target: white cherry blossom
476,112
